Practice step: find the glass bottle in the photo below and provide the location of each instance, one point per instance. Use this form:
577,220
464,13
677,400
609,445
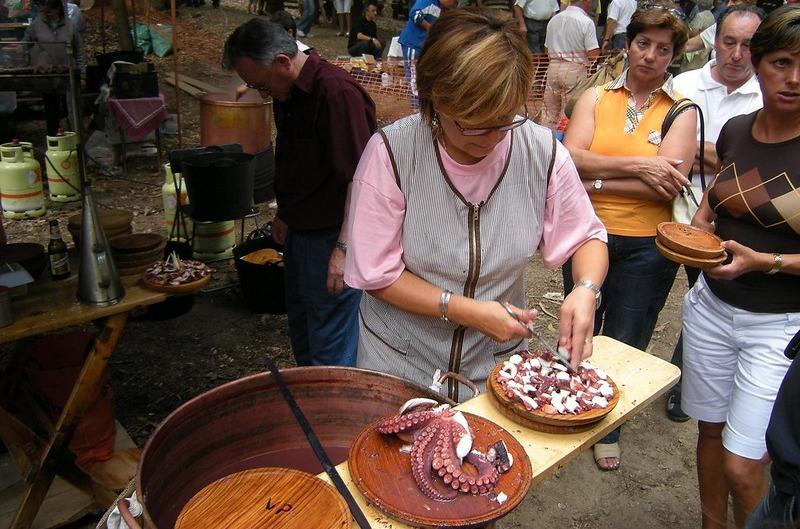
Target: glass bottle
57,251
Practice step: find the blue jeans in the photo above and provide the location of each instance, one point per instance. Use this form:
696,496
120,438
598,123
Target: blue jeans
308,17
677,355
776,511
637,285
323,328
619,41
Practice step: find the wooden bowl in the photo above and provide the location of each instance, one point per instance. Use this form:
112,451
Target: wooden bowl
687,260
136,243
689,241
383,474
546,422
185,288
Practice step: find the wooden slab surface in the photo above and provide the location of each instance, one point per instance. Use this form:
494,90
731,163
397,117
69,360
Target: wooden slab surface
640,377
383,473
52,305
266,498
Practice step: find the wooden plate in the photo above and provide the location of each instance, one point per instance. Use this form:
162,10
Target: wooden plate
266,498
136,243
687,240
383,474
546,422
689,261
176,289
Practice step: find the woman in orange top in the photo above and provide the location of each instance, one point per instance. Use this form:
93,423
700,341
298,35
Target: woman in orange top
631,174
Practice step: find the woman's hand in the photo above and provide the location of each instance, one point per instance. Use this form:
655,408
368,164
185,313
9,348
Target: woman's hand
576,325
661,173
744,260
495,322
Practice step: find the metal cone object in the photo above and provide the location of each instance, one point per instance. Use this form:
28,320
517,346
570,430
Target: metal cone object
98,281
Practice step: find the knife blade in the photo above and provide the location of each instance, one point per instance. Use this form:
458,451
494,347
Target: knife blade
559,353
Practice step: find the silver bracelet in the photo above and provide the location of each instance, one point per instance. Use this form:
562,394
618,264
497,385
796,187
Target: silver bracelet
342,246
444,301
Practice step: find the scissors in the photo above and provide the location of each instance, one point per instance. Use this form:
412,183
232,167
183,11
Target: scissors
559,353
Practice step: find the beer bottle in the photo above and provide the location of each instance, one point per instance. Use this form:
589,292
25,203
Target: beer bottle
57,250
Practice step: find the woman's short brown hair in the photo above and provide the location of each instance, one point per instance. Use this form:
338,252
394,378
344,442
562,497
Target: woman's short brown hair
660,15
779,31
474,65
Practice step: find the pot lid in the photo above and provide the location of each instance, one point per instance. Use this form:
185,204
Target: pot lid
263,498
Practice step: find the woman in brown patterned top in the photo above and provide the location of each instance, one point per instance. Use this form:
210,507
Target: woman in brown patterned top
740,315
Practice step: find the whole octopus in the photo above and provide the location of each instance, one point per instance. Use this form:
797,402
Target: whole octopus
441,442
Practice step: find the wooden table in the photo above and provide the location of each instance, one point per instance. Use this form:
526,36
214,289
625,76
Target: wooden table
641,378
49,306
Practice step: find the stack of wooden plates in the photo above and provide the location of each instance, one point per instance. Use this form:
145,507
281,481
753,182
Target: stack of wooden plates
134,252
115,222
689,246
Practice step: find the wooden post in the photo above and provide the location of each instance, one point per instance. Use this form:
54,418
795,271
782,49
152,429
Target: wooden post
121,22
175,66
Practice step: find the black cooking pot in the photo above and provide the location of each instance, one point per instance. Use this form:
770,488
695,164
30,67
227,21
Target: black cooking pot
220,185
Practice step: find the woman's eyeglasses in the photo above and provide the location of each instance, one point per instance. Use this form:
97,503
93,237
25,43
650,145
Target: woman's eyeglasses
500,128
680,15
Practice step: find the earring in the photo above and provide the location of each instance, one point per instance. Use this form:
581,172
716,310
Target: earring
435,121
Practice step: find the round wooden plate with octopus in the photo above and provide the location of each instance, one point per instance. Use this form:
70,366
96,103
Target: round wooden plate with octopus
433,466
534,390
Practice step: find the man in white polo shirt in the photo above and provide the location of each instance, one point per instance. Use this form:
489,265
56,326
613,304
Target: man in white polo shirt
723,88
533,17
619,16
572,45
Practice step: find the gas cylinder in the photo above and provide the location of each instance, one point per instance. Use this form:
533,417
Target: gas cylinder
21,192
214,240
169,194
61,167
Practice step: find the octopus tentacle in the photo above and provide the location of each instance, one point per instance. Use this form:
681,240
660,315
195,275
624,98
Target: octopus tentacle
411,421
422,458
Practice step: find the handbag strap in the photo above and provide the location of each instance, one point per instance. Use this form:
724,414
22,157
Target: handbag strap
679,107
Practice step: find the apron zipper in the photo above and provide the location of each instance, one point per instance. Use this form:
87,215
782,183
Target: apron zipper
473,221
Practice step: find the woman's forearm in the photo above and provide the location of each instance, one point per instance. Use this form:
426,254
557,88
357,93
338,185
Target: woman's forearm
590,261
592,165
627,187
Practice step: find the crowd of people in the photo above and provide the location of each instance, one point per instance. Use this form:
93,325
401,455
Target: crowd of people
401,242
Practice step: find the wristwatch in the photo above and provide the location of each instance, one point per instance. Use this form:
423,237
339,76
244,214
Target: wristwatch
597,185
588,283
342,246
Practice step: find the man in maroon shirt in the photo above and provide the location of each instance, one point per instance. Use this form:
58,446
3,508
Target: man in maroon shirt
323,119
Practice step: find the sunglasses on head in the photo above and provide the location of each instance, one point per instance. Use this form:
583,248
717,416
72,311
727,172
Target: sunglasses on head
680,15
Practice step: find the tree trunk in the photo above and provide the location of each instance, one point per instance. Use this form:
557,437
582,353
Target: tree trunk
121,22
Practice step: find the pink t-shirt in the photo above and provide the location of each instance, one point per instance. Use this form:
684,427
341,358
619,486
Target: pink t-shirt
377,210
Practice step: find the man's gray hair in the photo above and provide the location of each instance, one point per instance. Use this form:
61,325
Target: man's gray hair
259,40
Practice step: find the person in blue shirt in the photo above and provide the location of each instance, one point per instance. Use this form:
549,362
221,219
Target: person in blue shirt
420,19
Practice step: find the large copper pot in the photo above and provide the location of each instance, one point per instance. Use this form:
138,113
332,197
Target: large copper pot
247,424
247,121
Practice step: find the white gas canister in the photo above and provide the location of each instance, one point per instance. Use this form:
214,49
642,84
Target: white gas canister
61,167
214,240
21,191
169,195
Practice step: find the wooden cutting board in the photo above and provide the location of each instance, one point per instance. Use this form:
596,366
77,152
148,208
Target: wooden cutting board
382,472
266,498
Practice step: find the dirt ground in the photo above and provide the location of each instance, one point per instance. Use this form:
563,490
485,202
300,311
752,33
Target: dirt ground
160,364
